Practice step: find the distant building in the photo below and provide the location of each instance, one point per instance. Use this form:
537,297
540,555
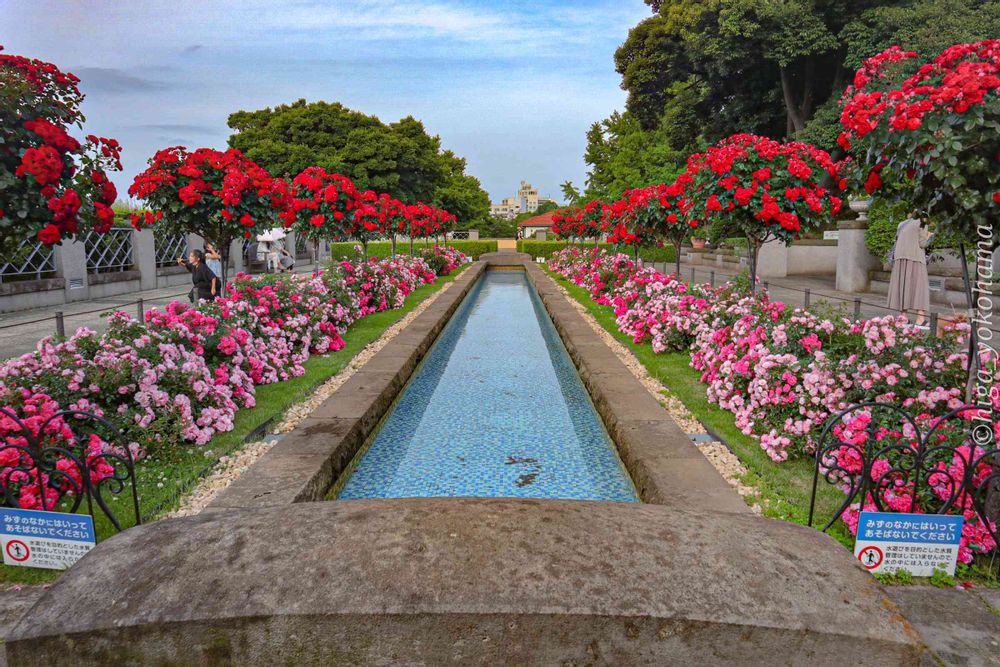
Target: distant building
526,201
538,223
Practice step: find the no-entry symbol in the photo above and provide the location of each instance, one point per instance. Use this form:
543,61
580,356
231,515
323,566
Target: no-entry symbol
871,557
18,550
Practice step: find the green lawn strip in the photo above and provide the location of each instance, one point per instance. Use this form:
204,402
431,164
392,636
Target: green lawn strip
168,473
782,489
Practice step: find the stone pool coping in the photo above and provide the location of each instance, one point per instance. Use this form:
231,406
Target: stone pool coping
666,467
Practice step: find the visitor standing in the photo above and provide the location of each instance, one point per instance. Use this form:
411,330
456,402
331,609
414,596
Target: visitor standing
909,288
206,283
213,259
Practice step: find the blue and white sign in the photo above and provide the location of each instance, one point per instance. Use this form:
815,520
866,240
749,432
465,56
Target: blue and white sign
918,543
51,540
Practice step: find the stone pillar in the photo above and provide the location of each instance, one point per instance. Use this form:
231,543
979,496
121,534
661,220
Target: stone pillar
772,260
71,265
854,260
236,257
473,234
144,257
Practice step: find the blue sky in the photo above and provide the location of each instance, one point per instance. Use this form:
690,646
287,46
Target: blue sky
510,85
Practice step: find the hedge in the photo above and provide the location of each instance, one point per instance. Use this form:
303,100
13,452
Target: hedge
546,248
383,249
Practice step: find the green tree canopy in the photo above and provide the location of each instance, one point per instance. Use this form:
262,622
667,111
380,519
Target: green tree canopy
700,70
623,156
399,158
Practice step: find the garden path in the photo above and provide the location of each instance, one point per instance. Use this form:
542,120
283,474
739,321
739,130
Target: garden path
21,330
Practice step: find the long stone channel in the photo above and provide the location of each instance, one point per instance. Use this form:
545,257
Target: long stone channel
273,574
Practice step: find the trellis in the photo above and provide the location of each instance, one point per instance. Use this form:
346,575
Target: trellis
31,260
110,252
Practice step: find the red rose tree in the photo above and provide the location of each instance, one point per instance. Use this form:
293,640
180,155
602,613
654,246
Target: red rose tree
321,206
762,189
428,221
594,220
368,223
566,223
928,133
626,225
392,215
220,195
653,211
54,186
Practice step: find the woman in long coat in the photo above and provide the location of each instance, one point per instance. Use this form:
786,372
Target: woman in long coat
908,286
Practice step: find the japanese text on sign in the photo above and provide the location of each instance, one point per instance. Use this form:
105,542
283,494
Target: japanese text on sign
51,540
918,543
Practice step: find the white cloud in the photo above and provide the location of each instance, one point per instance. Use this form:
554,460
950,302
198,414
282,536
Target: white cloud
510,84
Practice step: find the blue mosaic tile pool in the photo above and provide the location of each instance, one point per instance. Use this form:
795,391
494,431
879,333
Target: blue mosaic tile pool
496,409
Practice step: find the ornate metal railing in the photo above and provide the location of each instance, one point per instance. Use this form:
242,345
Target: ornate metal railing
882,456
169,247
110,252
31,260
460,236
54,466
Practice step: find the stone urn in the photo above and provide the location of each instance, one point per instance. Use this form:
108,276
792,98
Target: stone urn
860,206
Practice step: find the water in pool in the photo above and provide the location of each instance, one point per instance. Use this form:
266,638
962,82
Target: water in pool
496,409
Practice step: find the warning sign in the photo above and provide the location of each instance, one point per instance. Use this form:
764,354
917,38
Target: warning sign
51,540
918,543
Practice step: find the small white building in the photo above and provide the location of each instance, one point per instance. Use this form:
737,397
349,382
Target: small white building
539,223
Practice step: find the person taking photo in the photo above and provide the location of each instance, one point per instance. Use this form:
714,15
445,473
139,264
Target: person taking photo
206,283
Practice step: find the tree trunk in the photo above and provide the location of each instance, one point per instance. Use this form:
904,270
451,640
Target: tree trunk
754,248
411,246
677,258
806,109
394,246
224,246
795,120
364,249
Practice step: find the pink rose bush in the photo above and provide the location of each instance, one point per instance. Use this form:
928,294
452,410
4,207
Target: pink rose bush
892,482
183,373
782,372
442,259
42,425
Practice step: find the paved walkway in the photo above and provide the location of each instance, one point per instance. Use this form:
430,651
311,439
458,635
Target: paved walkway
20,331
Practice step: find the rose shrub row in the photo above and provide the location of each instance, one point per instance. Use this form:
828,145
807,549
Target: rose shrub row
183,373
782,372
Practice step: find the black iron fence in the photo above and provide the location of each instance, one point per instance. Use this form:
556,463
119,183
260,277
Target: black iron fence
882,456
69,460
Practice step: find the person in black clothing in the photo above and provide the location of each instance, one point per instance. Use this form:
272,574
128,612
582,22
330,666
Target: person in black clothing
206,283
